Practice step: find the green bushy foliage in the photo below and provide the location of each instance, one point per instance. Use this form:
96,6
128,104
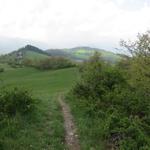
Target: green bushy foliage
17,113
1,70
123,107
15,101
28,62
54,63
97,78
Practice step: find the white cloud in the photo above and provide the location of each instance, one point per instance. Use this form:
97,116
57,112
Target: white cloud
68,23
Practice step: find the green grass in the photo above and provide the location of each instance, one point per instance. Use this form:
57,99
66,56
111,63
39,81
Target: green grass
31,55
88,127
77,54
40,82
6,67
35,56
84,54
44,130
83,51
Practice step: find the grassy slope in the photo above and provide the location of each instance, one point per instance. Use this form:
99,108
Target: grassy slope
88,128
35,56
40,82
85,54
46,130
76,54
27,55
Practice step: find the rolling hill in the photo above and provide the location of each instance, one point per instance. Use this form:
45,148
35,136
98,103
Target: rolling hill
27,52
26,133
76,54
83,53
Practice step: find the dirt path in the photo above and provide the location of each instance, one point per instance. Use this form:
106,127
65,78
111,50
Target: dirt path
71,136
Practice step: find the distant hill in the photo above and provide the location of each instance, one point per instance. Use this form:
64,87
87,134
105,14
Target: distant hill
27,52
76,54
83,53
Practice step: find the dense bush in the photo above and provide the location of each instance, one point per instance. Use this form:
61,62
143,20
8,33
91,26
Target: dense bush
17,115
98,78
15,101
28,62
122,107
1,69
54,63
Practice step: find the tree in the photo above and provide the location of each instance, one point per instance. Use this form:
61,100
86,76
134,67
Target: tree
139,47
140,64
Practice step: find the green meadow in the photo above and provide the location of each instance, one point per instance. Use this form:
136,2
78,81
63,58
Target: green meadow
45,129
109,100
39,82
35,56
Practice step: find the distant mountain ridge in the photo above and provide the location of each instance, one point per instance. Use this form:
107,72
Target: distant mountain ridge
83,52
77,53
87,48
77,48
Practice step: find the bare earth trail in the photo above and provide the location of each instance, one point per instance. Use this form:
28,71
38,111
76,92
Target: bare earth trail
71,136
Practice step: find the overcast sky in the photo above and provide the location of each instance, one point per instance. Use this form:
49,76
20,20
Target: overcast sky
69,23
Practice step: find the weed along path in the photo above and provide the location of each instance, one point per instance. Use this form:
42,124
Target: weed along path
71,136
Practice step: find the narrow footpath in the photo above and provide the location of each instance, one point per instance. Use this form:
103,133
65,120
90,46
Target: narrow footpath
71,136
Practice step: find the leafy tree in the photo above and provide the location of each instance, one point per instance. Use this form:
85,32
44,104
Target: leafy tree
139,70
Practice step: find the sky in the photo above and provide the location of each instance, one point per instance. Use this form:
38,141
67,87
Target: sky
70,23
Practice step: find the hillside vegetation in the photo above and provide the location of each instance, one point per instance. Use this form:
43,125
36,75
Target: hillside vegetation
111,104
41,128
28,52
32,53
83,53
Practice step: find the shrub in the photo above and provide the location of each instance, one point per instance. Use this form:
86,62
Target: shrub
125,107
54,63
15,101
28,62
1,69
